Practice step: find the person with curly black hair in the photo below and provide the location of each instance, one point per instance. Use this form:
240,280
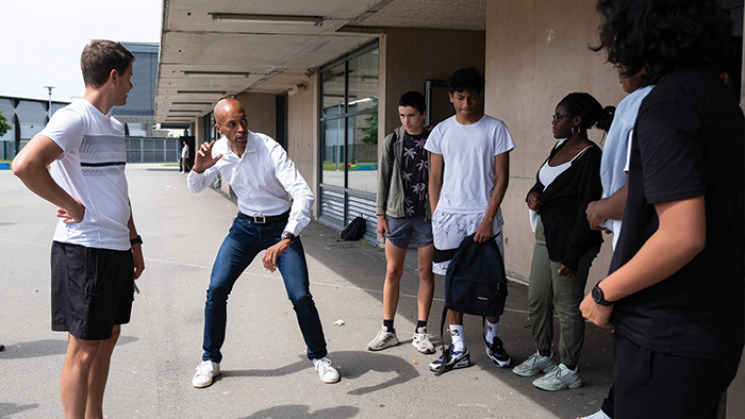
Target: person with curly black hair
675,294
565,246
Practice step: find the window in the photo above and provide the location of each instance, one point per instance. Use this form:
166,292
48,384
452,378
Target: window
349,138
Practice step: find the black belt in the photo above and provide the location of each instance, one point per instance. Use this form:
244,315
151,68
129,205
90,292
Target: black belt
262,219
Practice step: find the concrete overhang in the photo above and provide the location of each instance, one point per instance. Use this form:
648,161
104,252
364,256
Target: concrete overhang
218,48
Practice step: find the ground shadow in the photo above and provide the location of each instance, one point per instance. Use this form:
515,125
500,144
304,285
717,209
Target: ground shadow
44,347
8,410
364,266
295,411
350,368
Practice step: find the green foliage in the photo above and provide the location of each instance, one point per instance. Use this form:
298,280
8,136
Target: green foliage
370,132
4,125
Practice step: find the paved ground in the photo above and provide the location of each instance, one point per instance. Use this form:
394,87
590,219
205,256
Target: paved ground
265,373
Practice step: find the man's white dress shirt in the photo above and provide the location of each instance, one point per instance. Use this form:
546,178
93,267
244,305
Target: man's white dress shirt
264,179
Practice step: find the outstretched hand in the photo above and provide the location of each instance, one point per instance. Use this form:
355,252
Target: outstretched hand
203,159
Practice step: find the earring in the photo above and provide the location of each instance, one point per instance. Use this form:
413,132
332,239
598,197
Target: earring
571,130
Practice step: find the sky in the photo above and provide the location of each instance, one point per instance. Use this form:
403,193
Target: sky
41,40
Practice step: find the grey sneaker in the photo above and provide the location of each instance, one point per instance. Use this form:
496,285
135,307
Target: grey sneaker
535,364
384,339
421,341
559,379
206,372
326,372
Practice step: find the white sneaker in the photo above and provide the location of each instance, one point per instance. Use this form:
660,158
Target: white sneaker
559,379
384,339
534,364
206,372
326,372
597,415
421,341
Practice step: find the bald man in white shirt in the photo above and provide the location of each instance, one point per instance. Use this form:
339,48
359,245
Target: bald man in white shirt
262,177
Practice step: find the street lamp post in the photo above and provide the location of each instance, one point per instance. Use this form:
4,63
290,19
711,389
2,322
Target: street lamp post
49,110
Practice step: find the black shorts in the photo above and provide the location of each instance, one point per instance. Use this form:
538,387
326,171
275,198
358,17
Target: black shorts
92,290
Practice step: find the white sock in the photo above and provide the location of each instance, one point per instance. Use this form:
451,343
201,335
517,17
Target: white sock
456,336
491,331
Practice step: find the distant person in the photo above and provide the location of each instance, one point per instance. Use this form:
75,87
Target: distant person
472,146
96,253
184,157
403,210
275,205
565,246
677,270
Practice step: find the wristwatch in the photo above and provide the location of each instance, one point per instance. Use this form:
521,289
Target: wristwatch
136,240
288,235
598,297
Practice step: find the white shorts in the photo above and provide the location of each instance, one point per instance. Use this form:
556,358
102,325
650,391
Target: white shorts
449,230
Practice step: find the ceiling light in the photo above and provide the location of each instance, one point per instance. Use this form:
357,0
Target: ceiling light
270,19
201,92
191,103
199,73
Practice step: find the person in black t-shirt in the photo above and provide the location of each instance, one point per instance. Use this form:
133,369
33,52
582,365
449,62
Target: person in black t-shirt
675,293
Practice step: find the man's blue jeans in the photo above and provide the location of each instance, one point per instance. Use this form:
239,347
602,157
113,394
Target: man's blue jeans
244,241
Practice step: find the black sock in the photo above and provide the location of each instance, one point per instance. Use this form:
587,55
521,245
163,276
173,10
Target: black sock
389,325
420,323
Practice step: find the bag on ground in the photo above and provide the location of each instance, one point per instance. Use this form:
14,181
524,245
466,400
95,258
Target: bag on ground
354,230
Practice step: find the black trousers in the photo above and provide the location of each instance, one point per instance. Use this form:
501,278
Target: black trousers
656,385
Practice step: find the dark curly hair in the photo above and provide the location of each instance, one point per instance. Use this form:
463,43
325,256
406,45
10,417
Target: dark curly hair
590,110
466,79
663,36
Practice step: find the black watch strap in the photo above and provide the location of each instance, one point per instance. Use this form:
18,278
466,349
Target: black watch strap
599,297
288,235
136,240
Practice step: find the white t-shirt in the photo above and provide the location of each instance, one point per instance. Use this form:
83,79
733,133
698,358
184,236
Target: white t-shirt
468,153
91,170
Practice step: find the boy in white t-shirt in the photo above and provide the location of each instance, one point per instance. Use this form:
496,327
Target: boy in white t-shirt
474,150
96,241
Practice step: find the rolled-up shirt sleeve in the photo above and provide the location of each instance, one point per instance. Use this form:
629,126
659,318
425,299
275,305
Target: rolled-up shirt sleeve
298,189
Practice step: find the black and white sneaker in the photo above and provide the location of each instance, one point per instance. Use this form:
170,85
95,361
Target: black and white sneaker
452,360
496,352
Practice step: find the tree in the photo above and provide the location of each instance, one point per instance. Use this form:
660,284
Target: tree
4,125
370,132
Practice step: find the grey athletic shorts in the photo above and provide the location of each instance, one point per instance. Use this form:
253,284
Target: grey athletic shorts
400,231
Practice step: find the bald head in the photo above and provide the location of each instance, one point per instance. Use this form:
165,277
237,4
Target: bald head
226,107
231,122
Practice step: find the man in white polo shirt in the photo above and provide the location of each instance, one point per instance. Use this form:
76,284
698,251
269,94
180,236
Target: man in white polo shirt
96,242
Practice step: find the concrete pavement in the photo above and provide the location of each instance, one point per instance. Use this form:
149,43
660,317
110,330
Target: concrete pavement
265,372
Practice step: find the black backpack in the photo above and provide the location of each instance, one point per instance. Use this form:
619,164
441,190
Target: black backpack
354,230
475,283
